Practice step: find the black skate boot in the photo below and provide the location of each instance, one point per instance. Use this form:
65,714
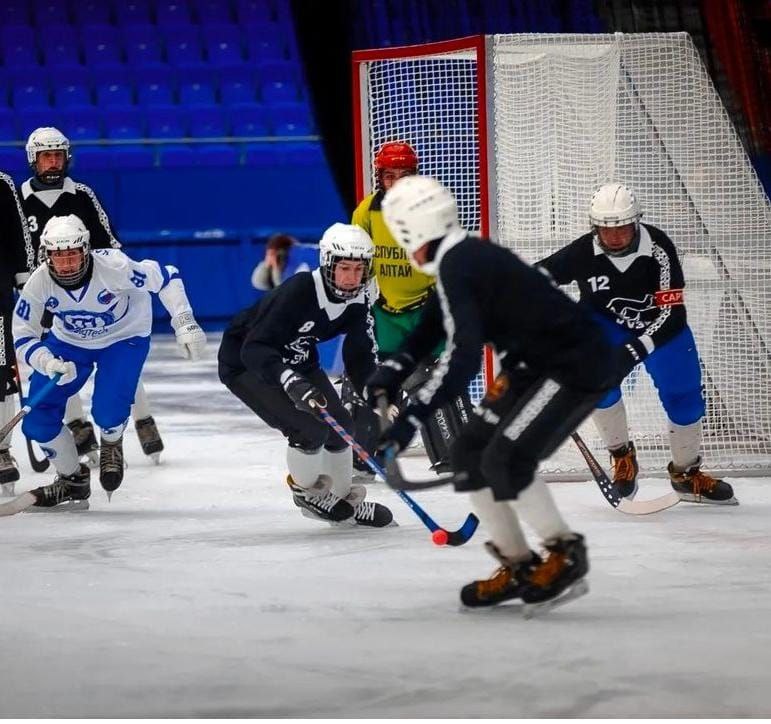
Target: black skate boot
559,576
85,440
111,465
625,469
373,515
319,502
695,486
505,584
149,437
67,492
9,473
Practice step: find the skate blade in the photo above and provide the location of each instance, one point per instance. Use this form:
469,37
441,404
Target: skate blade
334,523
72,506
691,498
578,589
155,457
7,490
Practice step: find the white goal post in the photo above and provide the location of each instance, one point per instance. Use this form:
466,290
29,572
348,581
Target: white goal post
524,127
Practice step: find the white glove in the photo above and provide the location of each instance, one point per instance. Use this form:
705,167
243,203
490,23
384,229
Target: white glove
190,337
67,370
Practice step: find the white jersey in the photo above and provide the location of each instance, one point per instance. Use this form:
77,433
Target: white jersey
113,305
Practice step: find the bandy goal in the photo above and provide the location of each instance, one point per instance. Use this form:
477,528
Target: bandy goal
523,128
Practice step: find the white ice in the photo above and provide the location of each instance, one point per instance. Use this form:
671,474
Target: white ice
201,591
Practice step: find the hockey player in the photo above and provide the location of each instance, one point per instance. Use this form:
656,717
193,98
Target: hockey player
631,276
51,192
403,292
555,366
18,262
102,315
269,360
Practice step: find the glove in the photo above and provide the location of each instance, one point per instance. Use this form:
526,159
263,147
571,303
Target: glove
67,370
630,355
398,436
387,379
305,396
190,337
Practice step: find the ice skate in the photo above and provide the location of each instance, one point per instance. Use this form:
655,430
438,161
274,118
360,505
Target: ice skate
372,515
625,469
9,474
362,474
111,465
66,493
559,577
695,486
85,440
505,584
319,502
149,438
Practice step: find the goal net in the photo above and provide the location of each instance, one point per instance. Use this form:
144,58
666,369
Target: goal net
523,128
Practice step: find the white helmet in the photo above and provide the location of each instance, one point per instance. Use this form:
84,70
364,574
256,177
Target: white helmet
63,233
48,139
345,241
614,205
417,210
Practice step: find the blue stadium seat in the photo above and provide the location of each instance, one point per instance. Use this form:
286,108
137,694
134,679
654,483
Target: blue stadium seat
249,121
193,95
159,75
253,12
133,156
68,75
236,92
72,96
264,155
133,12
11,35
11,163
20,55
36,118
165,123
62,52
115,95
303,154
279,92
155,95
177,156
101,46
223,44
81,124
265,42
142,44
7,125
172,12
30,96
208,123
46,12
14,13
283,71
212,11
183,46
291,119
123,123
91,11
93,158
217,154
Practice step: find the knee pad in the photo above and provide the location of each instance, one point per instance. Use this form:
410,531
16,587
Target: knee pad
507,468
686,408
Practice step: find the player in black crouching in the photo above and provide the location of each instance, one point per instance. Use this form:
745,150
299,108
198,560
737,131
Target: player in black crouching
269,360
555,364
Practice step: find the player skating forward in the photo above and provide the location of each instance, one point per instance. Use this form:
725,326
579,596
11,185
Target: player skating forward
631,275
555,366
102,316
269,360
50,191
17,263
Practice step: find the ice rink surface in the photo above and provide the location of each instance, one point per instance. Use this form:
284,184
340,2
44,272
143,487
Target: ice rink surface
201,591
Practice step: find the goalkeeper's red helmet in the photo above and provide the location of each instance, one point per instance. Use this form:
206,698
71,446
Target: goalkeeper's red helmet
396,154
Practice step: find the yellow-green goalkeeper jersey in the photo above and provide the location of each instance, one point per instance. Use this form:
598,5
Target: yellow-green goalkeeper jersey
402,287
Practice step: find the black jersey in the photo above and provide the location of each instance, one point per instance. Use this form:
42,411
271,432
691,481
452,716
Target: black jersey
642,291
72,198
488,295
282,330
15,242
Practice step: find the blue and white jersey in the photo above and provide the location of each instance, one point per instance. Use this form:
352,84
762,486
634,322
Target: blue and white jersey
112,305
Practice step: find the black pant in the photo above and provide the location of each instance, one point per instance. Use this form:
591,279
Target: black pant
272,404
7,355
522,420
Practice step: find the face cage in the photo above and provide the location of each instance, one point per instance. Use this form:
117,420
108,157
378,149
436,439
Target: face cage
73,278
328,274
630,248
52,177
413,170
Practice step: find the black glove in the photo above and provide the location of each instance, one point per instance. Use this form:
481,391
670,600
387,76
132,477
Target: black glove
305,396
398,436
387,379
630,355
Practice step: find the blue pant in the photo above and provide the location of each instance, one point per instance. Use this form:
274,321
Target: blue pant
675,371
118,368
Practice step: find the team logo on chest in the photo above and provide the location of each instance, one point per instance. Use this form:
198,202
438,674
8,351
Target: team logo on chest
634,313
105,296
307,327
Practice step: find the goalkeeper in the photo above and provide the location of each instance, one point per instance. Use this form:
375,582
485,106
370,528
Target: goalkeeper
403,293
631,276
